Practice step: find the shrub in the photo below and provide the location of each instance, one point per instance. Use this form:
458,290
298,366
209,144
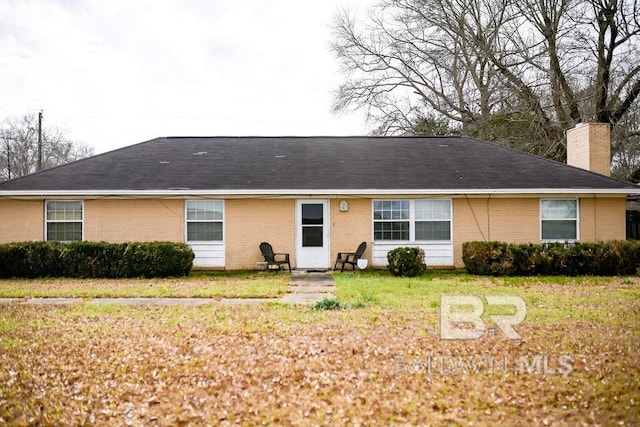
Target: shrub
95,259
30,259
603,259
485,258
406,261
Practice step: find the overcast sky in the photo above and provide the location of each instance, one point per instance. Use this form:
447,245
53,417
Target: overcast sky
117,72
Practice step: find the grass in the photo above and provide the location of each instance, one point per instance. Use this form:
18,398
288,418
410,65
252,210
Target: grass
378,360
548,298
198,285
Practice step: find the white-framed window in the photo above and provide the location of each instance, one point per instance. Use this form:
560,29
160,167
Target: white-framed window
391,219
64,220
559,220
205,220
412,220
433,220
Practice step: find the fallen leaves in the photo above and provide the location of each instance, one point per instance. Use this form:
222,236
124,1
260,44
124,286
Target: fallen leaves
275,365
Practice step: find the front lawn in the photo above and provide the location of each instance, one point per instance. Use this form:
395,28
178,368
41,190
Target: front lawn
380,361
198,285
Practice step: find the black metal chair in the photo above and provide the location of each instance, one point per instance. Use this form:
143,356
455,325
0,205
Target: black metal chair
270,258
350,258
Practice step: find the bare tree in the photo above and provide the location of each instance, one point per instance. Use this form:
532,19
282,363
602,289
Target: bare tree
539,66
626,146
411,58
19,147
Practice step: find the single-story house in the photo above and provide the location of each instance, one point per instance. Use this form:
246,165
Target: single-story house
313,197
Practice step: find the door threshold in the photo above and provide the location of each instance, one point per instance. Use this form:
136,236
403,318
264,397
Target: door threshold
312,270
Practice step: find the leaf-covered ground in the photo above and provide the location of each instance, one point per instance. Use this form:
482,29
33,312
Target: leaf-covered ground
280,365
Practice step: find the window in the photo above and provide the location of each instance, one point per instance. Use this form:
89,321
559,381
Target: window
433,219
312,224
559,220
63,220
391,220
205,220
412,220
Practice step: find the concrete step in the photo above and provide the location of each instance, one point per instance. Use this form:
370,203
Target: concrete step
305,298
310,289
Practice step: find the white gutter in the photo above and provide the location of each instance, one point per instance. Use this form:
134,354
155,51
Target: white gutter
181,192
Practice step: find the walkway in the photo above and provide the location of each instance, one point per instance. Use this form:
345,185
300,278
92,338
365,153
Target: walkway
113,301
305,287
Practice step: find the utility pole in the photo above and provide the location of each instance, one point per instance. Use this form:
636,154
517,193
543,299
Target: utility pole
40,140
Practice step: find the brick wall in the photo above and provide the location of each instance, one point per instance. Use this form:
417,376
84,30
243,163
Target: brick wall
518,220
602,219
501,219
21,220
251,221
350,228
119,221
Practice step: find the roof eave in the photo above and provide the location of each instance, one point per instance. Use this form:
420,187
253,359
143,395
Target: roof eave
314,192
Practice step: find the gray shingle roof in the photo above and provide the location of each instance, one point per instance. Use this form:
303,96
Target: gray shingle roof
312,163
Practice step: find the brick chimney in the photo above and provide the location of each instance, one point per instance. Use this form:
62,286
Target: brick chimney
589,147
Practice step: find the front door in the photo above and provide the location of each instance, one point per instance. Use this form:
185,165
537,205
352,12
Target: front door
312,233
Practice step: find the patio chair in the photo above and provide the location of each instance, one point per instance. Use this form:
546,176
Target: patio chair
350,258
274,264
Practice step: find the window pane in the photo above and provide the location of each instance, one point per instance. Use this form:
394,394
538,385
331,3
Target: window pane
312,236
204,210
64,231
559,209
312,214
398,230
433,230
433,209
559,230
385,210
400,209
64,211
204,231
391,209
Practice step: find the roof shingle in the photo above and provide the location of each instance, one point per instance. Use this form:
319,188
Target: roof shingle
312,163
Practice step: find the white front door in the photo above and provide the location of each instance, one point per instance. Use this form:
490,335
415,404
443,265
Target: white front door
312,233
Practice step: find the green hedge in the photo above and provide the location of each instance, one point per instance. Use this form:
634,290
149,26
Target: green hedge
406,261
504,259
95,259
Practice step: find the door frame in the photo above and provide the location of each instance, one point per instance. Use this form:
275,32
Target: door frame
322,254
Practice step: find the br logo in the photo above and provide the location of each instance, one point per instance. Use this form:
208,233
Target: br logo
454,324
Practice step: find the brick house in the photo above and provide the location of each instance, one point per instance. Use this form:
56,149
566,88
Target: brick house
315,196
